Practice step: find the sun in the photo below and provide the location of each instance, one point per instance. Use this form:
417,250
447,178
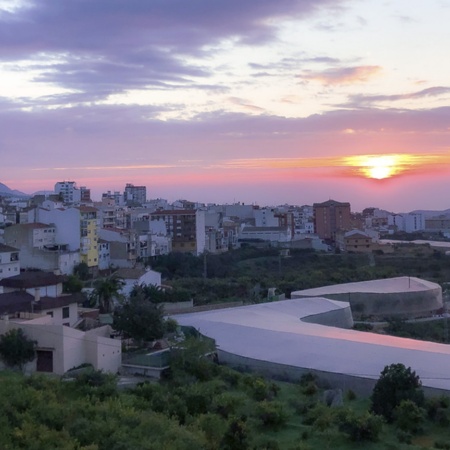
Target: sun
378,167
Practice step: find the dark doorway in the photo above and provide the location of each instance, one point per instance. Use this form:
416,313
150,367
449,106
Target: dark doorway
44,361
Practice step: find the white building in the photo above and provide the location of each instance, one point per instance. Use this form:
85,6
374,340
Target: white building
68,191
9,261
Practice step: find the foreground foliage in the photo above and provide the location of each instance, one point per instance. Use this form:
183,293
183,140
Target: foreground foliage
203,405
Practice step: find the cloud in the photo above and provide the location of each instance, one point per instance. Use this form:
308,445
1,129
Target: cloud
342,75
364,100
108,46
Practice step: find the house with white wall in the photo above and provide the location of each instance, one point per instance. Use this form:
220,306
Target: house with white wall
136,277
9,261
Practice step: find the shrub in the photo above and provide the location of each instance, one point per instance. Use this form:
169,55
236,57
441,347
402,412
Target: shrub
365,427
409,417
271,414
396,383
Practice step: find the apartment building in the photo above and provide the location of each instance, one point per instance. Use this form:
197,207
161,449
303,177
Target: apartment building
185,227
331,216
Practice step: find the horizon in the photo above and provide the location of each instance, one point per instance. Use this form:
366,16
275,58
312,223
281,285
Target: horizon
235,202
264,102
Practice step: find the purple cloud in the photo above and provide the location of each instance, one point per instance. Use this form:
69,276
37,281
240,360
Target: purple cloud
107,46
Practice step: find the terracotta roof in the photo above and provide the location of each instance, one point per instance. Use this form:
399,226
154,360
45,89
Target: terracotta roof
21,301
129,274
32,279
6,248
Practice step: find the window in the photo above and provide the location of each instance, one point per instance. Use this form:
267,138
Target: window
50,313
65,312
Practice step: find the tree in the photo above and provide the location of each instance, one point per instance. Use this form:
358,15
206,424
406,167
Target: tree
139,319
82,271
16,349
105,291
396,383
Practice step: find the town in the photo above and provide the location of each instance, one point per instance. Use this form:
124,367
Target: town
74,273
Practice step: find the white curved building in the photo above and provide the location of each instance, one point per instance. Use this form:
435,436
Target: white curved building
401,296
291,337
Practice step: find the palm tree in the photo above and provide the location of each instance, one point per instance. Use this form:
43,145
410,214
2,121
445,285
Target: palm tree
105,291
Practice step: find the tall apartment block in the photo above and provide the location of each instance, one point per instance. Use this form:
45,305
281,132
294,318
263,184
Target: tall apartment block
68,191
135,194
331,216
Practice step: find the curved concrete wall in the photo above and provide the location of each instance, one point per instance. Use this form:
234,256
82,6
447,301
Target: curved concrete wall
340,318
409,304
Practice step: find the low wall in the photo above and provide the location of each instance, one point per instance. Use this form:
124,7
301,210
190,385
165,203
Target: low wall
359,385
340,318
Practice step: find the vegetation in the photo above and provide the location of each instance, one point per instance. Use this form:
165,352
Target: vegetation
16,349
246,274
106,290
396,385
139,319
204,406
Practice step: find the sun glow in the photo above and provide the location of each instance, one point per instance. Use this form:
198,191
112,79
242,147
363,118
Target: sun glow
380,167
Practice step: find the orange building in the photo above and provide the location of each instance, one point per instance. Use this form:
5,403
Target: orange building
331,216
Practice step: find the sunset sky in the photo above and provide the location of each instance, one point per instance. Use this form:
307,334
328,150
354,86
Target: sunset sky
257,101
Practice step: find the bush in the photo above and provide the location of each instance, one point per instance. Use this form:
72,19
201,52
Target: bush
396,383
365,427
409,417
16,349
271,414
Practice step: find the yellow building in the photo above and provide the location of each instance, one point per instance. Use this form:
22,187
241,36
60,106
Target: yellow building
89,236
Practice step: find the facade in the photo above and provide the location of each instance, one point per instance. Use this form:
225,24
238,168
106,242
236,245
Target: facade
9,261
68,191
331,216
268,234
136,277
38,249
89,236
135,194
185,227
355,241
122,246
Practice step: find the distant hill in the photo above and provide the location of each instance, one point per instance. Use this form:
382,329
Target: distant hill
6,191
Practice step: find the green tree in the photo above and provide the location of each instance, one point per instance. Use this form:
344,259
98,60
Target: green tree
396,383
105,291
16,349
409,417
81,270
73,284
139,319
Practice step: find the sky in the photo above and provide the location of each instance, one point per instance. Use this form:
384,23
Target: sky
255,101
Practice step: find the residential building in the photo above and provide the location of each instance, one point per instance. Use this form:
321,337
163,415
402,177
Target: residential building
136,277
135,194
38,248
9,261
185,227
68,191
122,246
89,236
355,241
331,216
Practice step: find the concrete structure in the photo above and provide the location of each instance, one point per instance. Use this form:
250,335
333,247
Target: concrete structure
89,236
266,233
9,261
135,194
331,216
60,348
185,227
38,248
68,191
122,246
293,337
402,296
133,277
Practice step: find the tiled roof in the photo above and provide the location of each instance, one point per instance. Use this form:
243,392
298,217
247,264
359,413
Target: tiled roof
28,280
6,248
